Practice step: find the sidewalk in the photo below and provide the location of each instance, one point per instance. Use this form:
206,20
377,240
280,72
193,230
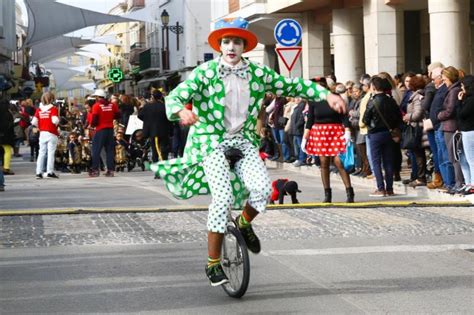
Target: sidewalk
138,191
398,187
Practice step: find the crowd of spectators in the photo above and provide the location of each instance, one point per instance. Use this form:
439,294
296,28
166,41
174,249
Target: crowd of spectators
92,137
433,112
427,117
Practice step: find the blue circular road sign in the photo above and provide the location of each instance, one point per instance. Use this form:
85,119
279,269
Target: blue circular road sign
288,32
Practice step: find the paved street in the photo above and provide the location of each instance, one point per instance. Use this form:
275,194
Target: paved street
383,259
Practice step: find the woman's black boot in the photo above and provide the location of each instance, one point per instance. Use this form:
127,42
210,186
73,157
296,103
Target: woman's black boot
327,195
350,195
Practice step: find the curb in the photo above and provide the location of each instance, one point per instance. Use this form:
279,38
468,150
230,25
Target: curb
359,205
398,187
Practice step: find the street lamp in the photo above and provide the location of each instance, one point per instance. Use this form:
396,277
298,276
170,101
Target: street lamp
165,19
176,29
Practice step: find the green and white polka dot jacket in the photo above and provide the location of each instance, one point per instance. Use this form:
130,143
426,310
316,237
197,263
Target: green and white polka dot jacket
184,177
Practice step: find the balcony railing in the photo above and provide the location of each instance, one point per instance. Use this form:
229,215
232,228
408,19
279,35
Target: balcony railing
135,51
137,45
150,59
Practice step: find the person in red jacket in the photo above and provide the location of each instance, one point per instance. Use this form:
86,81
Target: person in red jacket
103,115
46,119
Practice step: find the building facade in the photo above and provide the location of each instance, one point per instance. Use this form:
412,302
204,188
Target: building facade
175,43
352,37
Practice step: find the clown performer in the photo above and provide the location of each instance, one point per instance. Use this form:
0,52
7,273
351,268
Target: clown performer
226,95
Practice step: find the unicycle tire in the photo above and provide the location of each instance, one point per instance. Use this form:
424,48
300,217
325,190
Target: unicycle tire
235,262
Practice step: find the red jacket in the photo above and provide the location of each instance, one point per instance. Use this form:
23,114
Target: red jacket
25,118
46,118
103,114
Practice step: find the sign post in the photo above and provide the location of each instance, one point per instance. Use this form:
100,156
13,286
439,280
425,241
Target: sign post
288,34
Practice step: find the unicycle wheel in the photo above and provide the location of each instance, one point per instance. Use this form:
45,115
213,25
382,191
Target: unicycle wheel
235,262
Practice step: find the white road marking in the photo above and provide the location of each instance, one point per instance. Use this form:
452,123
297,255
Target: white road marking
368,250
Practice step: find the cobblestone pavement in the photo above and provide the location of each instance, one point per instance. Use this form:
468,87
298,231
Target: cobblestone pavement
189,226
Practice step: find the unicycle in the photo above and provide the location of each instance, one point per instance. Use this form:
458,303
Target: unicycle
235,260
235,255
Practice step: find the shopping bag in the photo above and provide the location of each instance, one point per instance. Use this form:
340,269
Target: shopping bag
347,158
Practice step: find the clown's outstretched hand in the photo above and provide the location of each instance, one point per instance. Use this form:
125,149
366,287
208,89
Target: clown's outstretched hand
187,117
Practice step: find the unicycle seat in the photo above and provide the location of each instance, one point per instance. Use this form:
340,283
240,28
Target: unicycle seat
233,155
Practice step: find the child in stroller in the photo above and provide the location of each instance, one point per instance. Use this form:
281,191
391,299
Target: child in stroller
139,147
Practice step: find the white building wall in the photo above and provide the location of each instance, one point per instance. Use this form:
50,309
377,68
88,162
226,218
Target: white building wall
315,56
196,30
450,40
219,9
7,33
383,37
348,39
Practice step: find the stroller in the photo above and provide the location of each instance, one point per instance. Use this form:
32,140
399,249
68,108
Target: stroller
139,148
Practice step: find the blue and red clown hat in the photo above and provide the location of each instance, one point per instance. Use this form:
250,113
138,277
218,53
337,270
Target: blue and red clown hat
232,27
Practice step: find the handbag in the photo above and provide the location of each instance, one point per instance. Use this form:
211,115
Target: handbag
427,125
395,133
457,145
411,137
347,158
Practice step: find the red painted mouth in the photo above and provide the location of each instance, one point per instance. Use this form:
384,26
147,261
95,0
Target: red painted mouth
231,55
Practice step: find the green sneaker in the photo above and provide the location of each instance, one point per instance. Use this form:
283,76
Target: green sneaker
216,275
251,239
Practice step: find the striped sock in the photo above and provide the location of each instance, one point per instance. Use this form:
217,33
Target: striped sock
213,261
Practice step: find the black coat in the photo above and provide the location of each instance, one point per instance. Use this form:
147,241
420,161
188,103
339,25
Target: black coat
7,133
466,114
155,122
437,105
387,106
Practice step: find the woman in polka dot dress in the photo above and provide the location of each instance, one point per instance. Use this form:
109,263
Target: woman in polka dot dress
326,136
226,94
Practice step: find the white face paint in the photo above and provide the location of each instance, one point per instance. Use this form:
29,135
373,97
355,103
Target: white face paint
232,49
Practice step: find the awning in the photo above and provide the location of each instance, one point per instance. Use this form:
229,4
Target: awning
48,19
71,85
61,76
56,47
100,49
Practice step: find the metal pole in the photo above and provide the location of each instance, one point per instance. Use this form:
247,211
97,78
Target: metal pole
177,35
163,55
167,48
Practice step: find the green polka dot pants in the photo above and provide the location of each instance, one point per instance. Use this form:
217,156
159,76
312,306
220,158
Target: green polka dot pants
251,172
